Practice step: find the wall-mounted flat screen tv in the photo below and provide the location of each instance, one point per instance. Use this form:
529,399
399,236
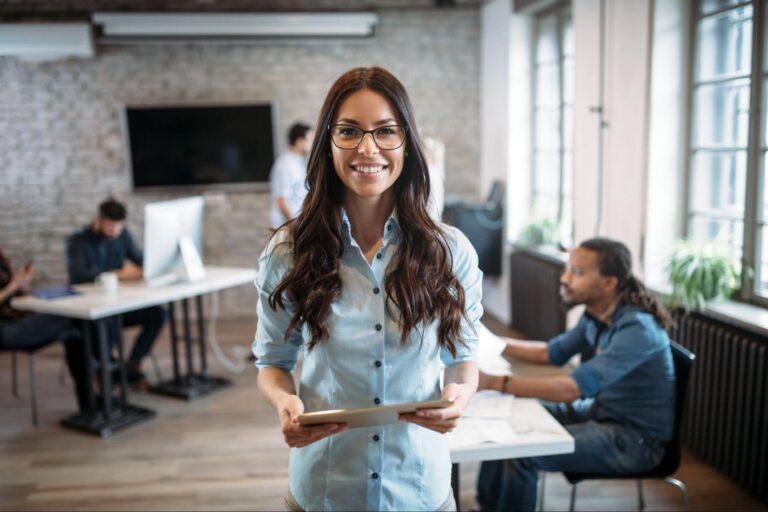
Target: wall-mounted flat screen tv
199,146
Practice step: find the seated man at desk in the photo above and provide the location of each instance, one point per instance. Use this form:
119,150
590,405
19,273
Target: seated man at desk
106,245
28,331
619,404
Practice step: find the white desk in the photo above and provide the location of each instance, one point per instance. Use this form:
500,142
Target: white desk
95,307
94,304
537,433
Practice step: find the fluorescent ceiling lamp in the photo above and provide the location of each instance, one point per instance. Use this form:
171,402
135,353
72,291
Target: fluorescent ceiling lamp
46,41
236,24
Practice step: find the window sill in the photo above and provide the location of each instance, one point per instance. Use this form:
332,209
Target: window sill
740,314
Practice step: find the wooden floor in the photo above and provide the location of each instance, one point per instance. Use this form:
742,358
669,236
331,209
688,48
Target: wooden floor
222,452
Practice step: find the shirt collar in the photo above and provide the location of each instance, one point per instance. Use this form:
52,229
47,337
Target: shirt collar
609,315
391,227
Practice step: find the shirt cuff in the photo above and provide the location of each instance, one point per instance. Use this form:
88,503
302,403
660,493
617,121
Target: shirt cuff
556,356
588,380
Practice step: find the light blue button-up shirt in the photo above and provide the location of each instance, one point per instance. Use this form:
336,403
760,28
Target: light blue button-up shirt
363,363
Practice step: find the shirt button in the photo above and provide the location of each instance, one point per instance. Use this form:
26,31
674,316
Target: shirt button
377,400
378,327
379,256
375,476
378,364
376,437
376,291
389,227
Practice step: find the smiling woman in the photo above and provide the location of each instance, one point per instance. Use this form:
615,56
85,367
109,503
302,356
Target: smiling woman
376,295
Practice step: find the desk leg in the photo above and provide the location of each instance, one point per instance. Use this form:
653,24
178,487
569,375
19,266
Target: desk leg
174,342
121,360
455,483
105,370
89,373
192,385
201,336
187,337
103,419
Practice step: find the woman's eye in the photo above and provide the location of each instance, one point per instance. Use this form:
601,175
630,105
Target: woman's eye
348,132
386,132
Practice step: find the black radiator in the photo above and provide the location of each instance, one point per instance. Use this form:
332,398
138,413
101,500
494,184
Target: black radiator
726,421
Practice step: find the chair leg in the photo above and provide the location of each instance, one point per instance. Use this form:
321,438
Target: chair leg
683,490
572,506
542,490
14,375
640,497
32,393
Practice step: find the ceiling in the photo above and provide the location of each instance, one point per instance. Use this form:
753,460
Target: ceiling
41,10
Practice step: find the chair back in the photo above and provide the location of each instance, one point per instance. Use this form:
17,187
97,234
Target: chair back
682,360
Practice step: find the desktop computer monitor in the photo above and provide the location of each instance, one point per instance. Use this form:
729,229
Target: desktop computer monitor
173,236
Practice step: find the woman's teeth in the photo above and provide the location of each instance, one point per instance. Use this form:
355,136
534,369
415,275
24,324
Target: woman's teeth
368,169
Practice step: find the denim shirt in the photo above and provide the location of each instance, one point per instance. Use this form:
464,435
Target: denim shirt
363,363
631,376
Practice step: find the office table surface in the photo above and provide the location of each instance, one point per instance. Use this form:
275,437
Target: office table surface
93,304
537,433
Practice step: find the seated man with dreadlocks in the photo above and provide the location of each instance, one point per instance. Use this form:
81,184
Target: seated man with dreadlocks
619,404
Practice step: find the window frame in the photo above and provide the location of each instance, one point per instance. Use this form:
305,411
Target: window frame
561,11
756,149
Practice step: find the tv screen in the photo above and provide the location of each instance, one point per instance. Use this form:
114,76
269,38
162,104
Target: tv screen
199,145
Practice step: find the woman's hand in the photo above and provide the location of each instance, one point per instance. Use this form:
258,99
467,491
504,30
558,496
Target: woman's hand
289,408
446,419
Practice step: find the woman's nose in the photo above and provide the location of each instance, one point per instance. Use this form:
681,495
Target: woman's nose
368,146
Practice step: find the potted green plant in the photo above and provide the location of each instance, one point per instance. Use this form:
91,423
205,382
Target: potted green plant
701,273
545,231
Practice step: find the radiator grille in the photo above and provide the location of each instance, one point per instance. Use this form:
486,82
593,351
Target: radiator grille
726,421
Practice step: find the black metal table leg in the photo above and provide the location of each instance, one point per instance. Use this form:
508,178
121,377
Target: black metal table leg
104,418
174,343
193,384
201,336
455,482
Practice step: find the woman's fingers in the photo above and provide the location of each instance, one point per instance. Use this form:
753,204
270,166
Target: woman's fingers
298,436
438,425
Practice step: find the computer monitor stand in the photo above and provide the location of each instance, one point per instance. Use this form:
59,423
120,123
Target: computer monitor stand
190,267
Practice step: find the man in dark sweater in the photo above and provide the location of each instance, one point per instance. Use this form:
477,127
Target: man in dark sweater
106,245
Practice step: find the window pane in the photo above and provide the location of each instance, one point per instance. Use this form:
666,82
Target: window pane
568,44
761,272
547,129
718,180
568,81
725,44
546,39
545,207
722,114
567,128
546,179
764,195
708,6
726,233
548,85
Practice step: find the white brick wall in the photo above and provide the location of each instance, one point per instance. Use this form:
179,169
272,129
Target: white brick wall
61,145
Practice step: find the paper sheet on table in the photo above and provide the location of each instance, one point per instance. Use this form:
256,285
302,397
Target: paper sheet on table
474,431
489,404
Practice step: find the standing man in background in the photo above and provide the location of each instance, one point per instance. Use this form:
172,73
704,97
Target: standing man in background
106,245
288,175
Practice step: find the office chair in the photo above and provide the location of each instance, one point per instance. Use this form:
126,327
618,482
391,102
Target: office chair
32,384
683,361
482,223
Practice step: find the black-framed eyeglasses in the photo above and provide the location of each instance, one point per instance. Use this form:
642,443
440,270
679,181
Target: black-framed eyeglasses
347,136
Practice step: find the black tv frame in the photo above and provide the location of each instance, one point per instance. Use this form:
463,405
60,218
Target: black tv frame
252,186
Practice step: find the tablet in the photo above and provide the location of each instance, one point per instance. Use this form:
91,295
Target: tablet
369,416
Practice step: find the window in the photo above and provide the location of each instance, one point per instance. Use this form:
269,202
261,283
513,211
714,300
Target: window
727,197
551,194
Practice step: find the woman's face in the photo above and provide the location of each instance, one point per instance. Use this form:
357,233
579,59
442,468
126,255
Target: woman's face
367,171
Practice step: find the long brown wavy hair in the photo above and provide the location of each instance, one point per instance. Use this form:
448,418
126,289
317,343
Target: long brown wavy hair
419,281
616,261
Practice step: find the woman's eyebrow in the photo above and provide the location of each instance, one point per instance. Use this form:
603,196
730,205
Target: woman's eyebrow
382,122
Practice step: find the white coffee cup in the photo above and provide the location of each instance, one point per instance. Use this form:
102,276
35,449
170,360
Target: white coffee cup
107,281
